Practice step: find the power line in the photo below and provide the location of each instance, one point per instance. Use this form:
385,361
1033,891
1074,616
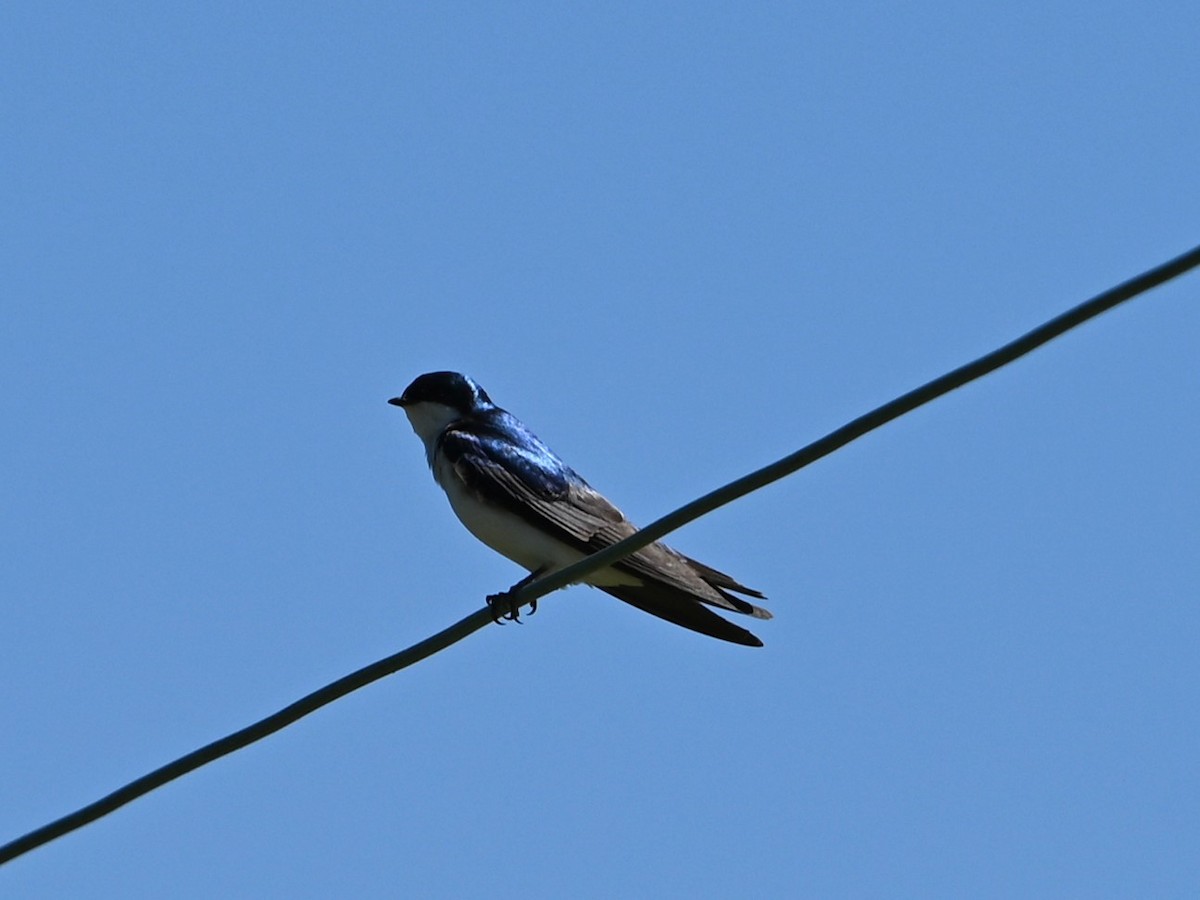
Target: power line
652,532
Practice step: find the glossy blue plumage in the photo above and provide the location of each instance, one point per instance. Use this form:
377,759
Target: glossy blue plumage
499,437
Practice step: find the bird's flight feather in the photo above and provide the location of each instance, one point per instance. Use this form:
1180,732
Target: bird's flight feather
556,498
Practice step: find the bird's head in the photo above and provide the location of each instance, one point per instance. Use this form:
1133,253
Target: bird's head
436,399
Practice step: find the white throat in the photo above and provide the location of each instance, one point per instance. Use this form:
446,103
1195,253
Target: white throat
430,419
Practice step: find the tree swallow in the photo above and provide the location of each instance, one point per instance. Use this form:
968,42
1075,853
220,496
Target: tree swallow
514,494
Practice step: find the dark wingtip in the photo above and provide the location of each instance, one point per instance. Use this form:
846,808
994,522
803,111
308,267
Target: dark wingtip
682,609
745,607
721,581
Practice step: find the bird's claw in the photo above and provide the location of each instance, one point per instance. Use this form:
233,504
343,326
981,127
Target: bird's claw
502,608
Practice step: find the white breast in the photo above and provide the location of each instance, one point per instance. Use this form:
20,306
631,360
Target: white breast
512,536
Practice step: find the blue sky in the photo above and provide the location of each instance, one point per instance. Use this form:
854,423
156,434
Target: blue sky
679,241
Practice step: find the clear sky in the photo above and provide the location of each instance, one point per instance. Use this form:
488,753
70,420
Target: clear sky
679,241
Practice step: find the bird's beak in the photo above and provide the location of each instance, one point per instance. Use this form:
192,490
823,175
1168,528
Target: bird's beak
397,401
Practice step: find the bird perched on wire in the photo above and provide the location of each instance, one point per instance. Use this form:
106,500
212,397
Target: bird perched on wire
514,494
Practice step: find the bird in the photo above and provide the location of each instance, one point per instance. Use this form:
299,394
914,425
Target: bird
514,494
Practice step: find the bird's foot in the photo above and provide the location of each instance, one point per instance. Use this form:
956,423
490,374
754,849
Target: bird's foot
504,607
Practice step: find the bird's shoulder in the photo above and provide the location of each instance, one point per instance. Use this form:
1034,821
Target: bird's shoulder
496,454
497,442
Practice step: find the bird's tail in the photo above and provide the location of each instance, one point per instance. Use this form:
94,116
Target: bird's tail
683,609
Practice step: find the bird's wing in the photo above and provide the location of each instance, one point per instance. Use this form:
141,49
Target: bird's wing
551,497
541,491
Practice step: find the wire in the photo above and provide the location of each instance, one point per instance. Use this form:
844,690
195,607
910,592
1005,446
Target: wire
652,532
